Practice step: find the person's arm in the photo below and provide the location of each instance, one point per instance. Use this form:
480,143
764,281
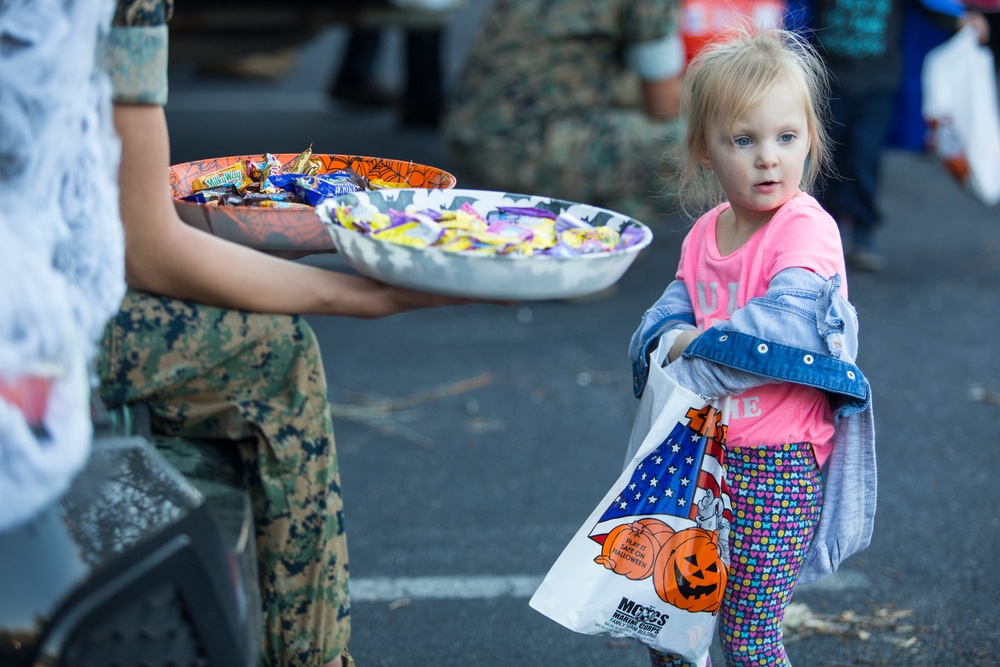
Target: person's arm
683,339
661,99
659,64
729,360
164,255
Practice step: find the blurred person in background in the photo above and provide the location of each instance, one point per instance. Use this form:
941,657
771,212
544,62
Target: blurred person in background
573,99
422,98
861,43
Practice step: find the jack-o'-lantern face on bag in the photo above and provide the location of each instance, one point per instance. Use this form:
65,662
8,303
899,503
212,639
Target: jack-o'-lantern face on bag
688,573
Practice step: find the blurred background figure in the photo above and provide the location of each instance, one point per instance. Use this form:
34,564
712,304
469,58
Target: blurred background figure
263,41
863,47
355,81
421,100
574,99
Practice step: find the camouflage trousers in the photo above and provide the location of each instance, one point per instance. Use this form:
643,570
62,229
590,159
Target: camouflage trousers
258,381
616,159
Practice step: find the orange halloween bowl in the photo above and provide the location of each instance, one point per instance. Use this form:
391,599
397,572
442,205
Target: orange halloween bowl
288,229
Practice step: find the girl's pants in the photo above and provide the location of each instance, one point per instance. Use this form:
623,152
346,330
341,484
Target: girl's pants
777,498
256,380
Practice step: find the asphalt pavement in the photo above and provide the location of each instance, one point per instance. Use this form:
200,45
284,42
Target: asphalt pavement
474,440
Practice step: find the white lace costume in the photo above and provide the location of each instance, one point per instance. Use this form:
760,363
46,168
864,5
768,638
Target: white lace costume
61,240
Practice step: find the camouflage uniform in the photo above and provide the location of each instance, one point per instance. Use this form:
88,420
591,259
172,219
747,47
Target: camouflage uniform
253,379
538,107
257,380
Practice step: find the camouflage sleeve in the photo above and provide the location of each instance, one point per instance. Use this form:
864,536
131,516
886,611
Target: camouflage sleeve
647,20
135,54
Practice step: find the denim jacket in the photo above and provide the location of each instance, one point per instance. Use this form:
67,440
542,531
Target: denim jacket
802,330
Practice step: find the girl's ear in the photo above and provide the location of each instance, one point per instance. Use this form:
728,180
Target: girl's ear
701,153
704,159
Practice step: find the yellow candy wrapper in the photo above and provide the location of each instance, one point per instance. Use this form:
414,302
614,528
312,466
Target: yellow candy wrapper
233,175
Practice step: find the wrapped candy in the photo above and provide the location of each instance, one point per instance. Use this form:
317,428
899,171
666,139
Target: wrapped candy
303,163
523,231
299,181
235,175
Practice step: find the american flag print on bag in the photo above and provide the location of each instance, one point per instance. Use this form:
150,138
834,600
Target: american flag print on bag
682,477
675,503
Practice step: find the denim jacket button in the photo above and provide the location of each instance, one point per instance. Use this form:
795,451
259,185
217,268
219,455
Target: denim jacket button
851,375
723,338
808,359
762,348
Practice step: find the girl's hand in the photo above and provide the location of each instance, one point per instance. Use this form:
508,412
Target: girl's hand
680,344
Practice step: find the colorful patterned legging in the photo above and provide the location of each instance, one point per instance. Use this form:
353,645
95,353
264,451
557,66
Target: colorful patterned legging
777,498
258,381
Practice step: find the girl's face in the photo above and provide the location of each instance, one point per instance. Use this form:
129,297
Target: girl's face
759,162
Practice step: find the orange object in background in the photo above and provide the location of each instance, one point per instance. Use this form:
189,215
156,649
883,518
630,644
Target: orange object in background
704,21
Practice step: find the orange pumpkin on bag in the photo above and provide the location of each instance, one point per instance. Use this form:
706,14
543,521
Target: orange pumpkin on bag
631,548
688,573
660,530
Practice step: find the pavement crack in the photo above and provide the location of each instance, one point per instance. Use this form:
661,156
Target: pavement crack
387,415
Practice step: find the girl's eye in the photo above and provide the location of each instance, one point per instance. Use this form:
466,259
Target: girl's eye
786,138
741,142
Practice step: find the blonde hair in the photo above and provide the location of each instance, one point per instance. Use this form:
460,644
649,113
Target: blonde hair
728,78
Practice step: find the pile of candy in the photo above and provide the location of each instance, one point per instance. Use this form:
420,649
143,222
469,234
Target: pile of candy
297,184
506,230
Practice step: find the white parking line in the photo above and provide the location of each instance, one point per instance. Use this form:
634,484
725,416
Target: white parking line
389,589
385,589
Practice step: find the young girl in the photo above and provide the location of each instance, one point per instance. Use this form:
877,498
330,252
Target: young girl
758,311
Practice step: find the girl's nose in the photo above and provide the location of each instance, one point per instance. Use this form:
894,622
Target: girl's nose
766,158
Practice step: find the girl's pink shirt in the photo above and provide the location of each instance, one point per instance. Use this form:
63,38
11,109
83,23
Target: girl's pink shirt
800,235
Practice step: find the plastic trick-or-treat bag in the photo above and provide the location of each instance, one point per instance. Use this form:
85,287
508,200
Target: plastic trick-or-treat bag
960,105
650,562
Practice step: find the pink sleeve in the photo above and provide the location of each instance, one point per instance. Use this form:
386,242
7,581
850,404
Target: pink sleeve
806,237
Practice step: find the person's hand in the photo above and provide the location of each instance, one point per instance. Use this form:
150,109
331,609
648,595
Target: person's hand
681,343
978,22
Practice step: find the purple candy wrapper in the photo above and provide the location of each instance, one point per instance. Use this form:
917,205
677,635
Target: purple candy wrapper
630,235
529,211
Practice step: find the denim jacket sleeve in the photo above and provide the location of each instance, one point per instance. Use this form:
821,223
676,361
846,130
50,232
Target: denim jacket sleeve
672,310
801,309
802,330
